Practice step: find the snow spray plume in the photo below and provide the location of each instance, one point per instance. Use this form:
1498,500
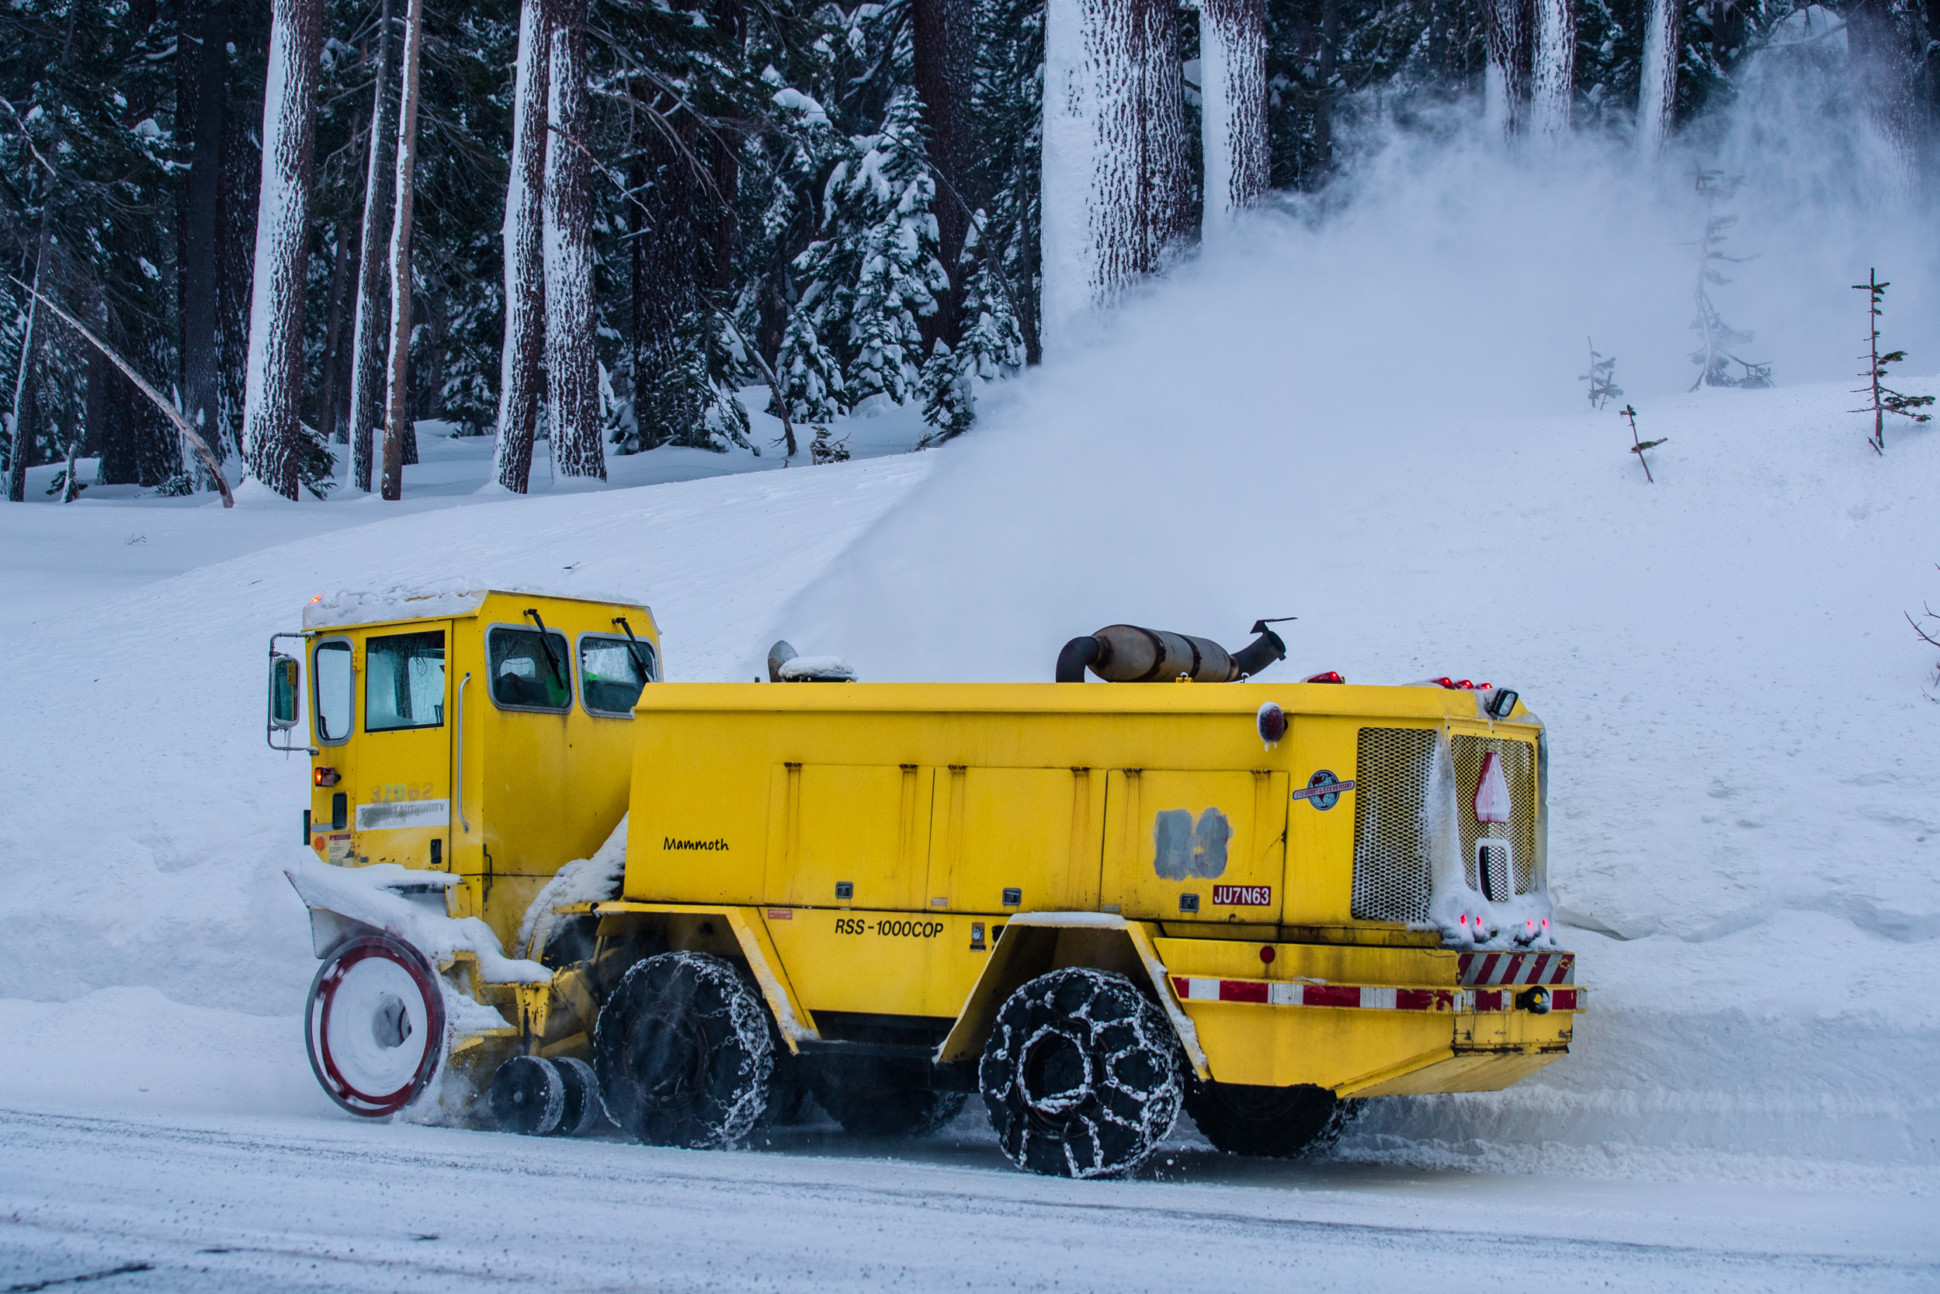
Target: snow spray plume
1176,467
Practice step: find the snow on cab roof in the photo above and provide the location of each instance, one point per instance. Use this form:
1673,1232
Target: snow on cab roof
357,607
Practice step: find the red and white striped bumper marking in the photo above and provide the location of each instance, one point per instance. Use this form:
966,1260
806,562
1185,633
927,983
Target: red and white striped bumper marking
1364,997
1518,968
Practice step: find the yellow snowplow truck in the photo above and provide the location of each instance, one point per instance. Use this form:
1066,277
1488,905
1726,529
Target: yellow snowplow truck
547,886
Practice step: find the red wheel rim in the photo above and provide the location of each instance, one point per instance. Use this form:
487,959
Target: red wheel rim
317,1032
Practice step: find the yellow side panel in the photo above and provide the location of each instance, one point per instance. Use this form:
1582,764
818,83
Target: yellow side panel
1033,830
887,963
1205,834
1320,842
698,830
863,825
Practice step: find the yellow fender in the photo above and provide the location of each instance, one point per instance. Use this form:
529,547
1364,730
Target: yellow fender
1031,945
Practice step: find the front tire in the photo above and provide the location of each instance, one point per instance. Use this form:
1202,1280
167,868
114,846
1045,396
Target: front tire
1268,1122
1082,1075
682,1052
374,1025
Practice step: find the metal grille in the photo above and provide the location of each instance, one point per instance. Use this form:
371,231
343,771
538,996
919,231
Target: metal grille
1392,868
1518,760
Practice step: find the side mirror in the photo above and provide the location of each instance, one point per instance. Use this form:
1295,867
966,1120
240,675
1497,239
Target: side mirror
285,691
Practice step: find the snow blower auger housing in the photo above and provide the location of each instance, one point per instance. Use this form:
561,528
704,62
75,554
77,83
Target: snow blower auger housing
1090,905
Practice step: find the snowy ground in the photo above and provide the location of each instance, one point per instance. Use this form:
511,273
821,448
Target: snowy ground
1745,808
234,1202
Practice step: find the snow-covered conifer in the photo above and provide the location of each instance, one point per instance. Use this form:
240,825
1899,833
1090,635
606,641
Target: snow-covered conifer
882,200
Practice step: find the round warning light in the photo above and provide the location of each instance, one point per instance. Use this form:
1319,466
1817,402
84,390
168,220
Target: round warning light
1266,956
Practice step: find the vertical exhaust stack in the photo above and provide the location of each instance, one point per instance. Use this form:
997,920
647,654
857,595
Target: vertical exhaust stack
1131,654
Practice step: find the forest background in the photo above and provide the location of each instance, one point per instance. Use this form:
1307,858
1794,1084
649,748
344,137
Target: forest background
846,205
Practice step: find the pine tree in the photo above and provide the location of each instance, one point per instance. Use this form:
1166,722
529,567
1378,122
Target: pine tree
1713,356
1882,399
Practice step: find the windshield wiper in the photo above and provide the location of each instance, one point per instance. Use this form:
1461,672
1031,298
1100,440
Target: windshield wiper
633,650
545,641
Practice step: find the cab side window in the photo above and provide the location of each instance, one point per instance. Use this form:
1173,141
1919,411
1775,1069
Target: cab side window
335,691
612,672
404,681
529,671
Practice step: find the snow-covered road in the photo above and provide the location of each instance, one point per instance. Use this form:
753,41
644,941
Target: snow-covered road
186,1203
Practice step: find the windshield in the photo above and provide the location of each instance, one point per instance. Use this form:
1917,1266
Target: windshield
404,681
525,675
610,678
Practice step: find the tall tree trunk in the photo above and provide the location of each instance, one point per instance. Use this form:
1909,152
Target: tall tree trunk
397,411
525,263
1553,86
21,420
1114,167
944,41
665,292
572,374
273,383
333,329
236,200
202,91
1505,25
366,346
1232,61
1329,61
1657,91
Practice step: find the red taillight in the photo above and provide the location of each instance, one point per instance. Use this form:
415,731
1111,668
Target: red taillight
1330,676
325,776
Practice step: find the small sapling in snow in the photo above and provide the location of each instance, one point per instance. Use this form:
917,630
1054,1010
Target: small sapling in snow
1882,400
1712,357
1637,446
1927,632
1602,378
827,449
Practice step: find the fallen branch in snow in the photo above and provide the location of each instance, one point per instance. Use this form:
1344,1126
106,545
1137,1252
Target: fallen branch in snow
1638,447
174,415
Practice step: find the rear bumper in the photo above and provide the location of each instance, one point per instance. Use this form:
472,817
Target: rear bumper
1507,1016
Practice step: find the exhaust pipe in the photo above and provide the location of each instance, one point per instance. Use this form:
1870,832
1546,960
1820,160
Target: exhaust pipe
1130,654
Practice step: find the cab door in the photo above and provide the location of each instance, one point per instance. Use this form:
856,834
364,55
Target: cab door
401,803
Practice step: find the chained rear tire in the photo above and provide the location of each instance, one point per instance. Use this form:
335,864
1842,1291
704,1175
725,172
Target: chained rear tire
683,1052
1268,1122
374,1025
872,1096
1082,1075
